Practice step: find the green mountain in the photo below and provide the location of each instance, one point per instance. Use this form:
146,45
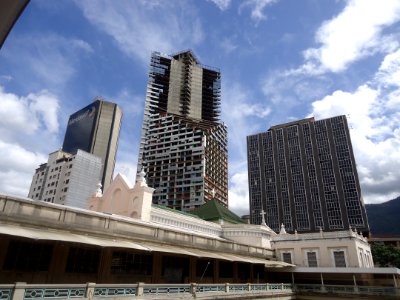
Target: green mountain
384,218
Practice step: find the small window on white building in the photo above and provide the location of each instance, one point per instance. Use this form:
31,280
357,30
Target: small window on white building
287,257
312,259
339,258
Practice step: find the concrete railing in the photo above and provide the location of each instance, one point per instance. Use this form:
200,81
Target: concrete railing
348,289
23,291
320,235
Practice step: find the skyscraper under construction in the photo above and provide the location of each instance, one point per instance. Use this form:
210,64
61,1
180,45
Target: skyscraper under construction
183,147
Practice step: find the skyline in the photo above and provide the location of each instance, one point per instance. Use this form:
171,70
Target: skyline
279,61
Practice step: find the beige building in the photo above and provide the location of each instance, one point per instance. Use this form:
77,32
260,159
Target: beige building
337,249
324,249
127,239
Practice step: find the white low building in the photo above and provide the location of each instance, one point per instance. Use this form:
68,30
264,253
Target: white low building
338,249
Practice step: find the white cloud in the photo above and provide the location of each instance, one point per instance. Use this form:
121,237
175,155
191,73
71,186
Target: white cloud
257,8
222,4
389,71
239,103
27,114
17,166
359,105
239,194
352,35
239,111
15,157
30,121
288,94
140,27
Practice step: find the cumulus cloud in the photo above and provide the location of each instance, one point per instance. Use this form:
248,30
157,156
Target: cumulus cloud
17,166
239,194
257,8
29,120
140,27
353,34
15,157
375,129
26,114
389,70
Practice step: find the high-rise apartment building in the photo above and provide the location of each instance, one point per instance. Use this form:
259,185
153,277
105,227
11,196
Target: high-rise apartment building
303,174
95,129
68,179
183,147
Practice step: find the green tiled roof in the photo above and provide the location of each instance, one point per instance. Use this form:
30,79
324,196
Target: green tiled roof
175,210
214,211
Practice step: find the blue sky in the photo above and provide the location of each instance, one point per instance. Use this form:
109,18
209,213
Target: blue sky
280,60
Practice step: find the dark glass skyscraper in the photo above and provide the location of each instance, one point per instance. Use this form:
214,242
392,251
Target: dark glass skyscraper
95,129
183,147
303,175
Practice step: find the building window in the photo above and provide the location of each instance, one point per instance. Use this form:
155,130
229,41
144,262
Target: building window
312,259
28,256
287,257
175,269
131,263
82,260
339,258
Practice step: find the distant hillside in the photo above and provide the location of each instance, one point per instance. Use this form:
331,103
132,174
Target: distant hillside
384,218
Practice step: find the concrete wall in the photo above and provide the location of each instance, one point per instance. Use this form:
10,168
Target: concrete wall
347,241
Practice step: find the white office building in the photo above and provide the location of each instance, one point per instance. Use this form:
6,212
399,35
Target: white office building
66,178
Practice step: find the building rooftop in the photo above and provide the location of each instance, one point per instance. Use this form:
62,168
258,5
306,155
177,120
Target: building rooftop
214,211
175,211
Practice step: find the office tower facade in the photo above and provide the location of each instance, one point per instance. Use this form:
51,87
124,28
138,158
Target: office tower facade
303,175
68,179
95,129
183,147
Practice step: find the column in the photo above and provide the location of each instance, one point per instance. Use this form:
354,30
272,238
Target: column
355,283
192,269
156,272
323,289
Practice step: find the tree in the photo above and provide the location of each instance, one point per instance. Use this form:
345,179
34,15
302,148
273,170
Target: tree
385,255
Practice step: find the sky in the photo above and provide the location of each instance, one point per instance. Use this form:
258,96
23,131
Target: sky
280,60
